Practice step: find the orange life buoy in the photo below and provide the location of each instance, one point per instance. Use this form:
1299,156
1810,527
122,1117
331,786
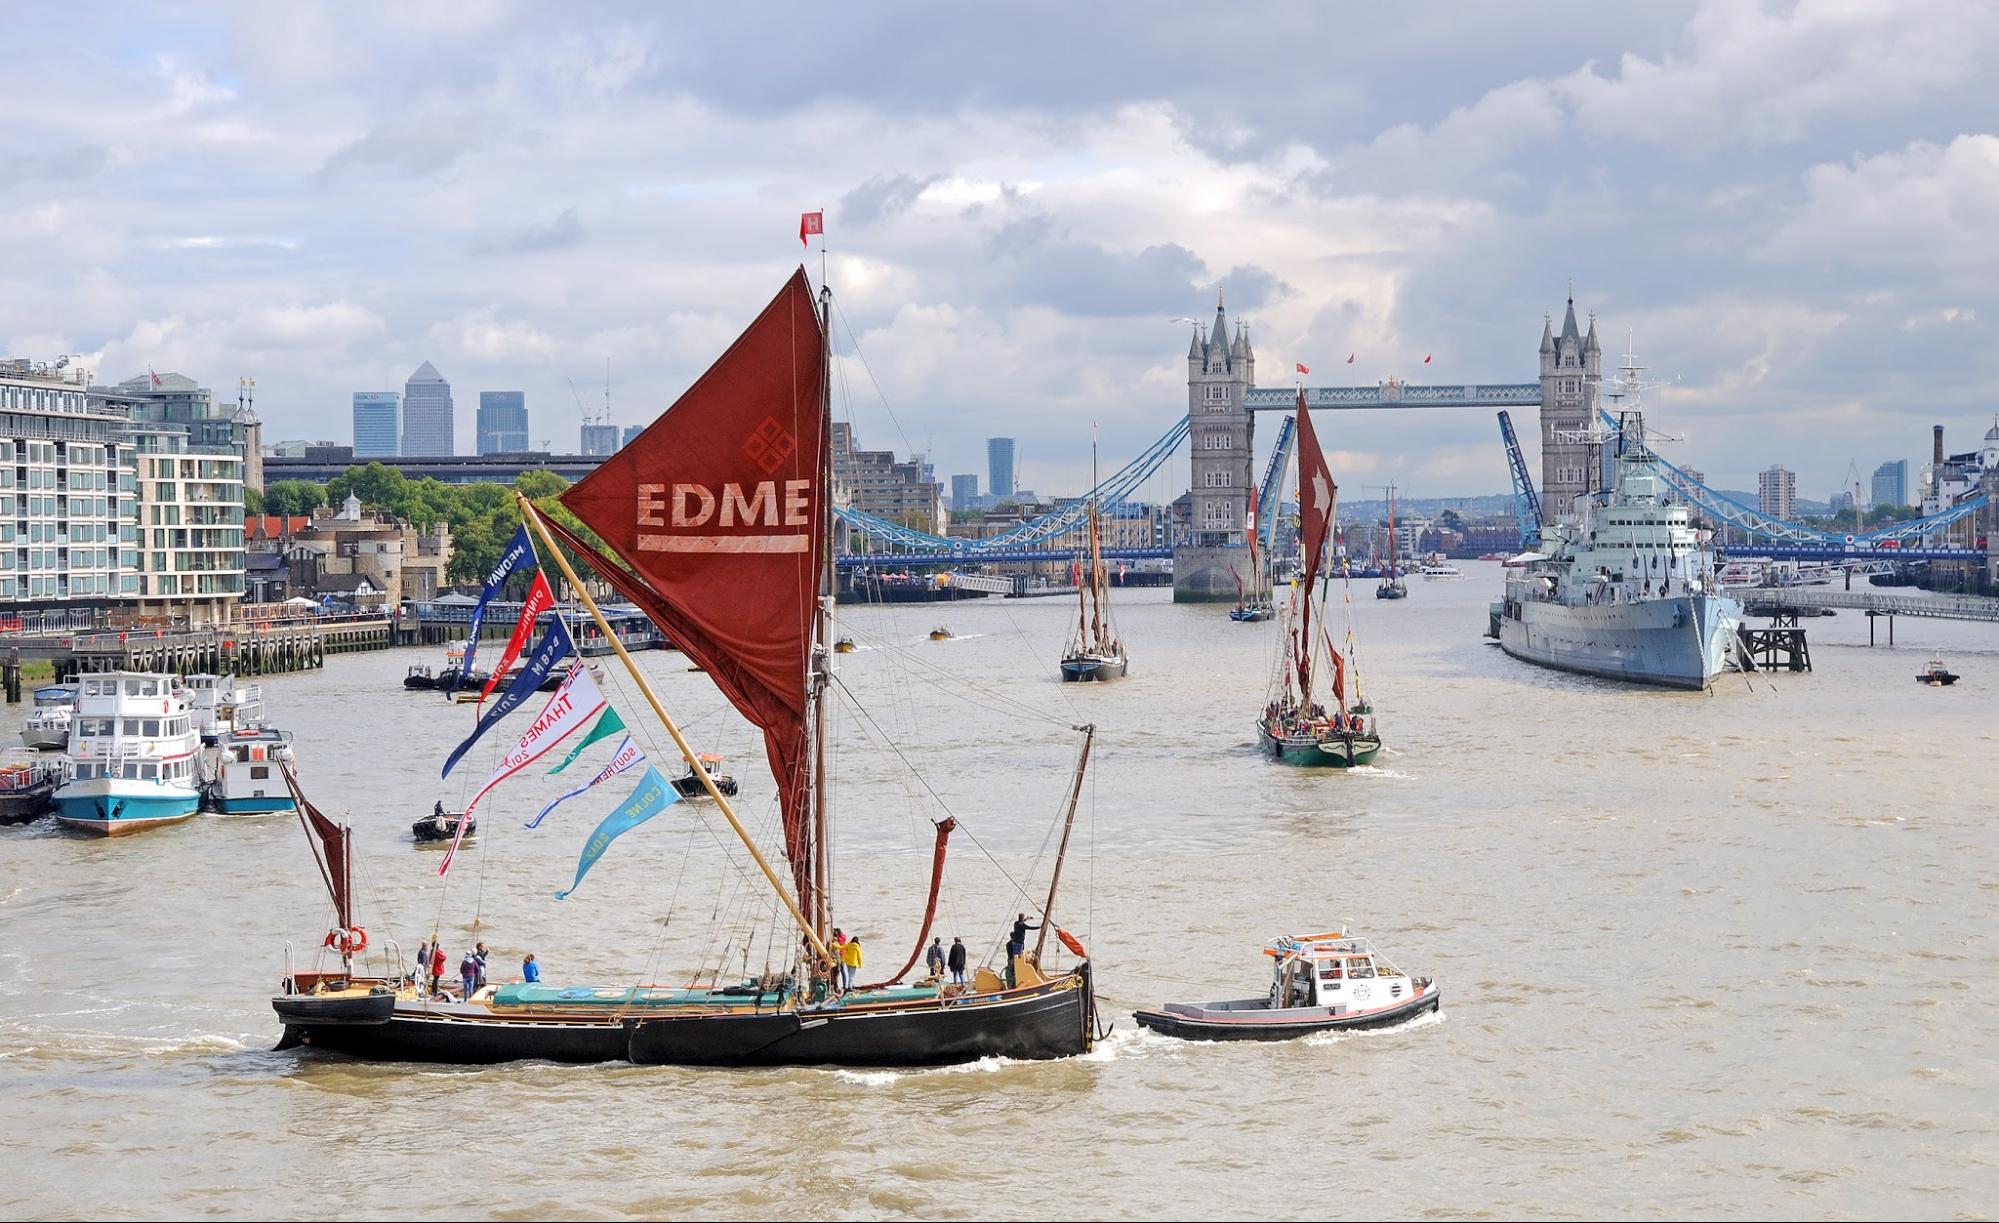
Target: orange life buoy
347,942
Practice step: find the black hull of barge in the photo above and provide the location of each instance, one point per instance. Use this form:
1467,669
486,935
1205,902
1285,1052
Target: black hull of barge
1042,1023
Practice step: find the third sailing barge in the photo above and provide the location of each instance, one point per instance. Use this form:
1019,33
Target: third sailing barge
717,521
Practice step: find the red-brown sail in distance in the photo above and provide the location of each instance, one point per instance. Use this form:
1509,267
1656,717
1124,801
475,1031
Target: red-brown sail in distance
1317,494
717,507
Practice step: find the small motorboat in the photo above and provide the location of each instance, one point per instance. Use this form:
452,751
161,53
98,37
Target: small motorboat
1252,613
441,828
1319,983
687,785
844,645
419,678
27,790
940,633
1936,675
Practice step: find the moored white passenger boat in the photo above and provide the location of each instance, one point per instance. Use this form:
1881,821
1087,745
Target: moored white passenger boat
1442,573
222,705
1319,983
248,773
132,755
48,725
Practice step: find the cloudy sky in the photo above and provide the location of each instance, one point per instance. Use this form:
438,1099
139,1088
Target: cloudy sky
1795,206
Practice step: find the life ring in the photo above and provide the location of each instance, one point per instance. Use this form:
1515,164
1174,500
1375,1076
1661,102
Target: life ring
347,942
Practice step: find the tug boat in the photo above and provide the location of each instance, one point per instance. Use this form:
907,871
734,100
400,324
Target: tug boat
940,633
1330,982
249,777
844,645
1936,675
27,790
48,725
690,785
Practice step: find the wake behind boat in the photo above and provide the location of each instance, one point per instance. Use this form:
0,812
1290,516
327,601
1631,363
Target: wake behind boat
1319,983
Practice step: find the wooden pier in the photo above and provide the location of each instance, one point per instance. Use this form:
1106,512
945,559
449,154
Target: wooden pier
1779,647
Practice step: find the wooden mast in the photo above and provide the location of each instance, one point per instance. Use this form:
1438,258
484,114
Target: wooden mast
821,653
1062,851
532,517
1096,557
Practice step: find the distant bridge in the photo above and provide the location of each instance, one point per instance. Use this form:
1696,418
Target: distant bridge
933,558
1858,551
1393,394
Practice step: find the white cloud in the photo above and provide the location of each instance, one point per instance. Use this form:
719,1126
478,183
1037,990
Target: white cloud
1923,210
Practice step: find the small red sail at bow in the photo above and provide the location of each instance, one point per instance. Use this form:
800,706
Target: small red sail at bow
717,510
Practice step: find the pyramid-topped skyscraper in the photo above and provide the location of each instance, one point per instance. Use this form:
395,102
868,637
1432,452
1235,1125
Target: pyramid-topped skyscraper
427,427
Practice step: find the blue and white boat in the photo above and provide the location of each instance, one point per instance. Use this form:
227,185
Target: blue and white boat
249,772
1627,590
132,761
48,726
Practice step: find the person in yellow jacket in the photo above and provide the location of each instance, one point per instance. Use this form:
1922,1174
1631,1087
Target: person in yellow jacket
850,960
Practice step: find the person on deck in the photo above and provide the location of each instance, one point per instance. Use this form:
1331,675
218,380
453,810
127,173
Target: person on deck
850,960
957,961
530,971
436,964
933,959
437,812
422,963
1016,944
468,976
479,954
838,947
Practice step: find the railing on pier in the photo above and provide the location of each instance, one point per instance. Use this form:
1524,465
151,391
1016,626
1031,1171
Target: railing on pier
1760,602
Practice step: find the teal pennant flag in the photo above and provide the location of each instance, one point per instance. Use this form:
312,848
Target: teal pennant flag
608,725
654,795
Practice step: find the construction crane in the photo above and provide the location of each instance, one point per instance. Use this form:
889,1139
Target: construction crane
1526,506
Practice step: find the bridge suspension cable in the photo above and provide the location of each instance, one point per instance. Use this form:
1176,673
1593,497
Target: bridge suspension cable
1782,530
1114,491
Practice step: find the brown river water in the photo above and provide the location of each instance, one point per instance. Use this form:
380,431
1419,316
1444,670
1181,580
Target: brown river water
1721,954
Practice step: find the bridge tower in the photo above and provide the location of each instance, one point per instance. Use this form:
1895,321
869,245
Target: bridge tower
1571,374
1220,369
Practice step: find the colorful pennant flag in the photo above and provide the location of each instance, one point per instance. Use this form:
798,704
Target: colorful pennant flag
540,598
628,754
654,795
520,549
810,223
608,725
555,646
572,705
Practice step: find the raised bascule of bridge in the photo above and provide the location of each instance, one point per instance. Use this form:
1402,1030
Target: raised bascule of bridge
1223,401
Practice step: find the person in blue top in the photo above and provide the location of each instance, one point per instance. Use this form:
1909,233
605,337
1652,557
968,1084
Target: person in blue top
530,971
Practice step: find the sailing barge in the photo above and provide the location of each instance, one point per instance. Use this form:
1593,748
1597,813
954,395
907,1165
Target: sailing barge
1094,652
754,428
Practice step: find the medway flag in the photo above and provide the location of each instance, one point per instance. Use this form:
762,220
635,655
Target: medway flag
608,725
555,646
519,549
810,223
572,705
654,795
540,599
628,755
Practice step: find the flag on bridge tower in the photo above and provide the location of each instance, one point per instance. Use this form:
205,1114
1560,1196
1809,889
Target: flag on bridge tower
1426,358
1304,369
1350,357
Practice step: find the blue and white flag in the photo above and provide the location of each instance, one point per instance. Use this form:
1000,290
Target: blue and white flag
555,646
654,795
628,755
520,551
